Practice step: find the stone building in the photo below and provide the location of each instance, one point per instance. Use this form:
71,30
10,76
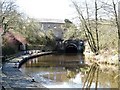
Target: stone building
13,42
53,24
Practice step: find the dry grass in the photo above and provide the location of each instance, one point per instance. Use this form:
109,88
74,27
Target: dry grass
106,58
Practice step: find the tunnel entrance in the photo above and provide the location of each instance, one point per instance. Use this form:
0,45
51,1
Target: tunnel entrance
71,49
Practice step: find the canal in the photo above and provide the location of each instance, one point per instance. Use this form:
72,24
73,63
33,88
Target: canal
65,71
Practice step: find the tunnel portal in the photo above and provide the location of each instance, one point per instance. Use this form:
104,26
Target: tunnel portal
71,48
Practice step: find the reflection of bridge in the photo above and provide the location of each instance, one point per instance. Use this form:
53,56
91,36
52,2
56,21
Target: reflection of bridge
71,46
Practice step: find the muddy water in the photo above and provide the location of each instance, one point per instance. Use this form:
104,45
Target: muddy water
65,71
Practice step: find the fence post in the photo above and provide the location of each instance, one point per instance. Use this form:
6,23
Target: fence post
119,43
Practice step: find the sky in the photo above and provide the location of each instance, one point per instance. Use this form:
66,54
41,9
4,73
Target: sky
51,9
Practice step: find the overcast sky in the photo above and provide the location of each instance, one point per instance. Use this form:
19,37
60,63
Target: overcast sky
55,9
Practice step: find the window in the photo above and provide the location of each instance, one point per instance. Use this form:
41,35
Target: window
55,27
48,26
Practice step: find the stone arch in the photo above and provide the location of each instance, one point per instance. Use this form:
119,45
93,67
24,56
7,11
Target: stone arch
71,48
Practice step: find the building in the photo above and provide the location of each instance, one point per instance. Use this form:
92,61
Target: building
53,24
13,42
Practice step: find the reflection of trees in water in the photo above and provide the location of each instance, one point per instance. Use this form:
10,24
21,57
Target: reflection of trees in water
104,79
107,79
56,76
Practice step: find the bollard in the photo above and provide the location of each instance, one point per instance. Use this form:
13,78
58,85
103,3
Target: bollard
15,65
33,80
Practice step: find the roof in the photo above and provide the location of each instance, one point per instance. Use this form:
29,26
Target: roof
15,36
19,37
51,21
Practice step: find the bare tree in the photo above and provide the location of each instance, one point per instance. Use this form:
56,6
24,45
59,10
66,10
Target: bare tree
111,8
87,27
119,19
8,14
116,18
96,23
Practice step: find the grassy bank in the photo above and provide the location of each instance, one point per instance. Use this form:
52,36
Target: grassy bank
107,59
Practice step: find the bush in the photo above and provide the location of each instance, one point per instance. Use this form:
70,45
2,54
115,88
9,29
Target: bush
7,50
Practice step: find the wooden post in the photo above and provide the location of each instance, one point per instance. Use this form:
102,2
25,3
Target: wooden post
119,18
119,41
119,15
0,47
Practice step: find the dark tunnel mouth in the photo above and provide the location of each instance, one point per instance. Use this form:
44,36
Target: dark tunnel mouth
71,49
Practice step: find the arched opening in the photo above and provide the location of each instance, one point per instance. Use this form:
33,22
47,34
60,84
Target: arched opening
71,48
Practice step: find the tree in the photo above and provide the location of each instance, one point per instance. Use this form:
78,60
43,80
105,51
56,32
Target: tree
87,27
96,25
68,21
111,8
30,28
96,20
119,19
10,18
8,14
116,18
70,30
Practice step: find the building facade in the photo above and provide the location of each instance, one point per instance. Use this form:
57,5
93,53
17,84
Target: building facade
55,25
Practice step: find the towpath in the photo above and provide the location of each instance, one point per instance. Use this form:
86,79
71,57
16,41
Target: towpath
14,79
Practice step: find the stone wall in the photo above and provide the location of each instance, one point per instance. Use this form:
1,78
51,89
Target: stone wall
56,27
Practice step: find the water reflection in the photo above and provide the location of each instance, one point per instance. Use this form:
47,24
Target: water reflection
68,60
65,71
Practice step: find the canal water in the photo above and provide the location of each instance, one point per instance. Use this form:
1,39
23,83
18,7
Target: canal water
65,71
